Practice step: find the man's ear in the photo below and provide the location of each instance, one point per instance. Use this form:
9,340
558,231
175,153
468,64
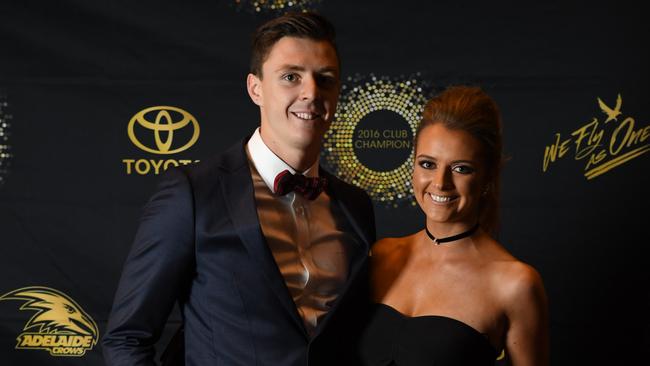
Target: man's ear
254,87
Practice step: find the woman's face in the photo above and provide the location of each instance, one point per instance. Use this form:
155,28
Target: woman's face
449,175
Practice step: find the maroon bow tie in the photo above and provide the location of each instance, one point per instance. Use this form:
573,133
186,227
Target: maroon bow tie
309,187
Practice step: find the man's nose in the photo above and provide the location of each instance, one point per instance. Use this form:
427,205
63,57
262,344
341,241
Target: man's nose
310,88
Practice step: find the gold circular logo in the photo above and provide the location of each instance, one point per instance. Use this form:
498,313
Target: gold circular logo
358,133
163,127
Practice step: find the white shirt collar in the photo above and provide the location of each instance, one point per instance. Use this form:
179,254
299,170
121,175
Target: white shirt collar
270,165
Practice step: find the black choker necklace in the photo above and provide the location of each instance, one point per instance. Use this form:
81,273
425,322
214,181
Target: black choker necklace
438,241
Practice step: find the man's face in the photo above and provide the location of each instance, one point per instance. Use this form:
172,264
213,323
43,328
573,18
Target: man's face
297,93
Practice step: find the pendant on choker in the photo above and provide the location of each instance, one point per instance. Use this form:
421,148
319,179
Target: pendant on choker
438,241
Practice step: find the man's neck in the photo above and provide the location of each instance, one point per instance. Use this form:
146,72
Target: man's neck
299,159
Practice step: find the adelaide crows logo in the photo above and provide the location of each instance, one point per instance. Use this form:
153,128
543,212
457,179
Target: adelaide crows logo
59,325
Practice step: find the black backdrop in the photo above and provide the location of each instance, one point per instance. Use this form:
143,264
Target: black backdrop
73,73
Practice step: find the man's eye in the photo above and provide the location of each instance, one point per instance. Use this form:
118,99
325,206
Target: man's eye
463,169
327,81
290,77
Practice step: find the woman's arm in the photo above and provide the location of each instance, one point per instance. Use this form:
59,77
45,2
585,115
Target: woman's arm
527,340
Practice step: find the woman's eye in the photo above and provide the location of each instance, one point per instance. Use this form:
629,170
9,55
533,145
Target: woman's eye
426,164
463,169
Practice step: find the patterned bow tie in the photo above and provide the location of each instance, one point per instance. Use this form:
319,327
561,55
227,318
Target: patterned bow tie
309,187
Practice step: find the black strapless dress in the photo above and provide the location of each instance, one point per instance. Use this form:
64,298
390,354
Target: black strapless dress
393,339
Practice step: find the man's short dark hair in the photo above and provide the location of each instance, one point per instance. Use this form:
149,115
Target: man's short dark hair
300,25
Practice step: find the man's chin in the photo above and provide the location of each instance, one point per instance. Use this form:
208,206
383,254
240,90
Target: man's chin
306,139
308,124
308,130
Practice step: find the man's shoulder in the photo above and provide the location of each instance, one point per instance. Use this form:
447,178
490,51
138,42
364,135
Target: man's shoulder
227,161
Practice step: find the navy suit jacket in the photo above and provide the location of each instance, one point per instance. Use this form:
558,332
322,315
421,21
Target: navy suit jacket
200,243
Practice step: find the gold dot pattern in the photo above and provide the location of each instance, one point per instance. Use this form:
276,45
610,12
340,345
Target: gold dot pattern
259,6
5,152
361,96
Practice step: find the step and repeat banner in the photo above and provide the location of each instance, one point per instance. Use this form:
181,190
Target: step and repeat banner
98,98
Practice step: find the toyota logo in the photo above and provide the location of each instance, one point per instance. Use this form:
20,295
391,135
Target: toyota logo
163,121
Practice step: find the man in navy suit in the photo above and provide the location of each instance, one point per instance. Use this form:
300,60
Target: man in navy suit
265,252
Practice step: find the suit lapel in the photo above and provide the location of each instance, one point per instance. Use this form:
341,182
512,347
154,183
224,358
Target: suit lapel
237,186
363,229
351,210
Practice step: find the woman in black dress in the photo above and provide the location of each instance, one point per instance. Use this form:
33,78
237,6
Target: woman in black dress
450,294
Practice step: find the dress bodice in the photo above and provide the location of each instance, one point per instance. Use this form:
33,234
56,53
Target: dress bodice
393,339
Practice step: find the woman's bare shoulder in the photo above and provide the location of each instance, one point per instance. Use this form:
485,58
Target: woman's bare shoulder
516,281
519,275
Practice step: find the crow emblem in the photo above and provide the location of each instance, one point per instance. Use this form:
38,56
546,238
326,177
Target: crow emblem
612,114
59,325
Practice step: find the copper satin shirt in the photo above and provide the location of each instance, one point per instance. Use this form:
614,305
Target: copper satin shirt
310,240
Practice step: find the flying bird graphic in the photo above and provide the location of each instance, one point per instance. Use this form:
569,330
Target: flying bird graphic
612,114
55,311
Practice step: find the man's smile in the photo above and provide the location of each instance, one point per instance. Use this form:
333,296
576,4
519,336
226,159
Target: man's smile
307,116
